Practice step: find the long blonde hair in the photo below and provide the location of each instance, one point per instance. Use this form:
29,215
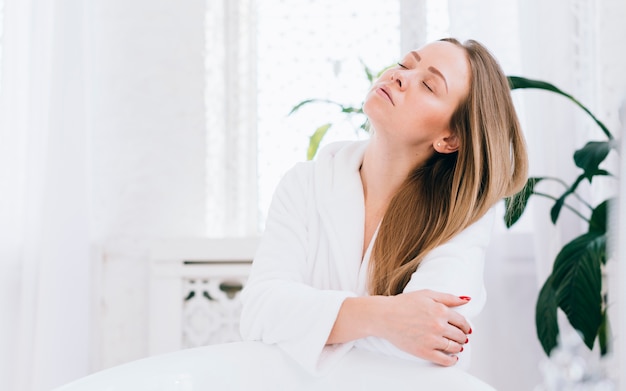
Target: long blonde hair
451,191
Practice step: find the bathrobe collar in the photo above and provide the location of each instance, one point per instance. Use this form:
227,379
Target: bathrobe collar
340,202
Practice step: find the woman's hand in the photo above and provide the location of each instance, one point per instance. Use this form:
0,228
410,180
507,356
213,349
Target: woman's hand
421,323
424,324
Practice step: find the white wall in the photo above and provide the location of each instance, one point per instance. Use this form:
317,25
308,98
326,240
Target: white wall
147,140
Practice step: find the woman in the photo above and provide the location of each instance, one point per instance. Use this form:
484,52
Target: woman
380,245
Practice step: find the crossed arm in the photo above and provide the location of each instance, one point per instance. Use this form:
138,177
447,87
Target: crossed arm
419,323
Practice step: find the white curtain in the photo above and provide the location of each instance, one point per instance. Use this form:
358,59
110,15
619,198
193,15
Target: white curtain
230,99
44,268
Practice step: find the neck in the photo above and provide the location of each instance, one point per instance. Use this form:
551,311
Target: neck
385,167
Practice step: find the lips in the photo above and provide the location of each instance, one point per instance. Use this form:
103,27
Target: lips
383,91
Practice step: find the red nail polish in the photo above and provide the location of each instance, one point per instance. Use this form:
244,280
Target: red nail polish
461,348
470,330
466,340
466,298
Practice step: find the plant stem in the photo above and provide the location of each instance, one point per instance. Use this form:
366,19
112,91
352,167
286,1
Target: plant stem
573,210
582,201
565,185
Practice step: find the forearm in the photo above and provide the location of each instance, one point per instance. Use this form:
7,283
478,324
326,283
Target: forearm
421,323
359,317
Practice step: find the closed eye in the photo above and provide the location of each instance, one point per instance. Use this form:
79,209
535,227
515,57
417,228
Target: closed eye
424,83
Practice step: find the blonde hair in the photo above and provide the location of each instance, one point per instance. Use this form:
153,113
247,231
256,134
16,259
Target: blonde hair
451,191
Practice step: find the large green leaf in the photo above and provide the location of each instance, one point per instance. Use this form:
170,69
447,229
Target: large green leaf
546,317
591,155
316,139
577,283
597,222
516,82
558,204
604,334
555,211
516,204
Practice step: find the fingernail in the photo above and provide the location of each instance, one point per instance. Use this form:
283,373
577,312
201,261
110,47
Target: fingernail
461,348
470,330
466,340
466,298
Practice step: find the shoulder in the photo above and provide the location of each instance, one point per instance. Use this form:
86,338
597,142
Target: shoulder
478,232
339,159
298,176
471,242
335,165
343,152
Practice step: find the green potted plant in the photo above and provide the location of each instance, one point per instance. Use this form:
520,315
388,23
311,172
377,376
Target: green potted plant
575,283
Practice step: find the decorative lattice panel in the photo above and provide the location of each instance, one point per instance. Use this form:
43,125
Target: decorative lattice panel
211,305
211,310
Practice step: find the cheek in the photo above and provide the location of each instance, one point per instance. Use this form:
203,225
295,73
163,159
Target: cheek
425,125
438,115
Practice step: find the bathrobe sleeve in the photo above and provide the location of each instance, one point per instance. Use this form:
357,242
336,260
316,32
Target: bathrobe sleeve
280,305
455,267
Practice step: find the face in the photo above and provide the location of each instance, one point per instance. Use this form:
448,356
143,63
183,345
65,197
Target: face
413,102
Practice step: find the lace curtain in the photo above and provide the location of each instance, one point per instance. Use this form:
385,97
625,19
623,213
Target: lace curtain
230,99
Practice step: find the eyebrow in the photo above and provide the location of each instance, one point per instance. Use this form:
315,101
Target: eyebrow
431,69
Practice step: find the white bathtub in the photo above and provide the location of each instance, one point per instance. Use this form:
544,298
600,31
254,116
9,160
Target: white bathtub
256,366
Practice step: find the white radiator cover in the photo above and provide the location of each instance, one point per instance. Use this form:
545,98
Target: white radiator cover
194,288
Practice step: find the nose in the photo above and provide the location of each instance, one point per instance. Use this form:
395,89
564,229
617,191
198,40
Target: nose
398,78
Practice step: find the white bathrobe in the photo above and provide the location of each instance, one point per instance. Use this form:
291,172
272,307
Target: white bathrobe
309,261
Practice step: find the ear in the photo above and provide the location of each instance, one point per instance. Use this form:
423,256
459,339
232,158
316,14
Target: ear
447,144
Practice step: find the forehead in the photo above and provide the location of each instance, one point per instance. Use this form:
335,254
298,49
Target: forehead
450,59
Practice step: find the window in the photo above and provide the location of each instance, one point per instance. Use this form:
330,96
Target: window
283,54
317,50
314,51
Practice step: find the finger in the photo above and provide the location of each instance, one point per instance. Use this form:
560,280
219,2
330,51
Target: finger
455,334
458,321
444,359
448,299
452,347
